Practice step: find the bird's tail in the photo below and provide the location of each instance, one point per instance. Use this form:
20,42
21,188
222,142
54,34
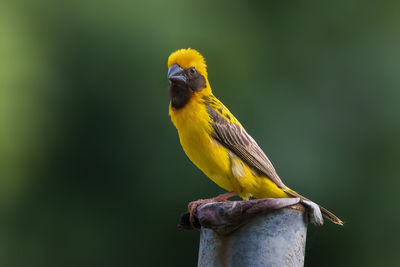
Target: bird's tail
329,215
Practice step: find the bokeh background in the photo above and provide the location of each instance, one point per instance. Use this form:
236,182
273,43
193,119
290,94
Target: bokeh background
91,170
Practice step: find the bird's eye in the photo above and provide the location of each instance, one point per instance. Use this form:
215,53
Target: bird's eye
192,70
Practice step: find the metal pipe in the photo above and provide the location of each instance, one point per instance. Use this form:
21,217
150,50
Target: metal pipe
274,239
260,232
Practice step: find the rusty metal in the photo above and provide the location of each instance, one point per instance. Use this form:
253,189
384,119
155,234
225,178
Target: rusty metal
260,232
274,239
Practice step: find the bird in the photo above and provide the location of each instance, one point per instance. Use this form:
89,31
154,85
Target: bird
215,141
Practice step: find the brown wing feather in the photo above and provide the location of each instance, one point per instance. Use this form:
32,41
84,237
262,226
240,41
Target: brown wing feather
235,138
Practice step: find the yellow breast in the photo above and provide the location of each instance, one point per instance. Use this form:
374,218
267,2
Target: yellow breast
194,128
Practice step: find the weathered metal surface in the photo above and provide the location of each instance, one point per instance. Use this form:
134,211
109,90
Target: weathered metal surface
225,217
258,232
274,239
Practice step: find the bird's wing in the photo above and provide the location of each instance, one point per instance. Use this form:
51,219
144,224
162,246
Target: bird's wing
234,137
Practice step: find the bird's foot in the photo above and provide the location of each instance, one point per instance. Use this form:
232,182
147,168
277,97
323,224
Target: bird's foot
315,214
192,207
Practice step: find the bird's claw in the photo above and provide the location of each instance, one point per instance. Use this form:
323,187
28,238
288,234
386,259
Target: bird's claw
192,208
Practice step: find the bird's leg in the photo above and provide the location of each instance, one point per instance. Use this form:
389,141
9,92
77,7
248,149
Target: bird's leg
192,207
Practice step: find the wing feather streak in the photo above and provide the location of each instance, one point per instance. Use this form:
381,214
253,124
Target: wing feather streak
235,138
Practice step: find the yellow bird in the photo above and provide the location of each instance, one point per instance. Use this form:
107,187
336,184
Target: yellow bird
214,140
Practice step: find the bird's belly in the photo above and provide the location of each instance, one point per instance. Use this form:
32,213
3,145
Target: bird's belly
260,187
208,155
248,183
219,165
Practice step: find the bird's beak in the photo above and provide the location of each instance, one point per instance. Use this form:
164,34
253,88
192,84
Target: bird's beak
176,74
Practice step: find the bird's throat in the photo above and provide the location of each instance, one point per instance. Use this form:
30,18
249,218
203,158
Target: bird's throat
180,95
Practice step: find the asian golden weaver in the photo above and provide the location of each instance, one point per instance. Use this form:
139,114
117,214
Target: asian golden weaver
213,138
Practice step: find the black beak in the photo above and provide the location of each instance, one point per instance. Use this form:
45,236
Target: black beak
176,74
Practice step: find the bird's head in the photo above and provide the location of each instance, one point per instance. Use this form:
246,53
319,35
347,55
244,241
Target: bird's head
187,74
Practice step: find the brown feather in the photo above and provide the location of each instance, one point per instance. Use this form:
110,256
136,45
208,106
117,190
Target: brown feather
235,138
329,215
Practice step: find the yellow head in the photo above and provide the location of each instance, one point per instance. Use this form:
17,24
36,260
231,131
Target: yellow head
187,74
187,58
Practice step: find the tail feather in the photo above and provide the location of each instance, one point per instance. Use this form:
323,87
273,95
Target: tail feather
329,215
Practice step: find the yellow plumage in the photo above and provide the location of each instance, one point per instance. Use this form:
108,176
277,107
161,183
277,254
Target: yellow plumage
198,145
197,114
194,126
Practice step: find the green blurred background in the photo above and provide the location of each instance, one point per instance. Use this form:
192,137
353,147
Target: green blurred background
92,173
